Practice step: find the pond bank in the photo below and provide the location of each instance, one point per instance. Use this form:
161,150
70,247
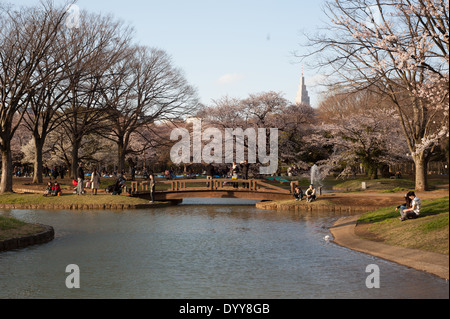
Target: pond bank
44,235
344,235
84,206
344,229
347,202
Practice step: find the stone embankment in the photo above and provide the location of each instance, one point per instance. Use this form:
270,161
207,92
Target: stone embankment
346,202
314,207
45,236
84,206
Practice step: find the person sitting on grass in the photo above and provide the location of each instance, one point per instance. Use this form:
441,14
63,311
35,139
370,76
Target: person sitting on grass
414,210
406,205
310,194
298,193
48,189
56,189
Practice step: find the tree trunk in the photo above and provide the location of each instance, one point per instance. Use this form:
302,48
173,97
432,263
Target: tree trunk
421,172
120,156
37,176
6,183
75,147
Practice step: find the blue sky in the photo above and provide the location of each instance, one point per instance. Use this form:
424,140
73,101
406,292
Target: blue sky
231,47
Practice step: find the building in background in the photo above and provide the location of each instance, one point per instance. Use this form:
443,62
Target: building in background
302,94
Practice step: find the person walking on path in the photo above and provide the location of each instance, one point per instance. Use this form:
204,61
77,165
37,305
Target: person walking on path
95,181
80,179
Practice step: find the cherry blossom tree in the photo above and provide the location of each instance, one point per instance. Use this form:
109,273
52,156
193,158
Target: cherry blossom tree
361,131
401,47
267,110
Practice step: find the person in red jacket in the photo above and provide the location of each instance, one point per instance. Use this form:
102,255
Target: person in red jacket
56,189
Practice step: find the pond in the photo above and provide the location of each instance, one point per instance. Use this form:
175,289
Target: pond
229,250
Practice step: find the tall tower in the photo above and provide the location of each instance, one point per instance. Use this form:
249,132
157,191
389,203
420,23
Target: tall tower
302,94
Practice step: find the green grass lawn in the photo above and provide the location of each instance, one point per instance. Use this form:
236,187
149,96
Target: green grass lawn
7,223
67,199
428,232
385,185
11,228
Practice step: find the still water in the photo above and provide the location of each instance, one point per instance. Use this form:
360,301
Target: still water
200,251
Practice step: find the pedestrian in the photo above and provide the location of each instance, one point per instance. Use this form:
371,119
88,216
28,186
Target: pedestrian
80,179
152,187
55,173
245,167
234,173
209,173
62,171
95,181
45,171
133,173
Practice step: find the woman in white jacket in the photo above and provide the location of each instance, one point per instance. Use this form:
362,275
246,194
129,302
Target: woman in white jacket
95,181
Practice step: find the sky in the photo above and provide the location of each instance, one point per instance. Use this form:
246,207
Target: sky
225,48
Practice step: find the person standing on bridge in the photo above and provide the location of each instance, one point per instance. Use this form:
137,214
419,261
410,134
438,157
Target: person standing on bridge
245,167
209,172
234,173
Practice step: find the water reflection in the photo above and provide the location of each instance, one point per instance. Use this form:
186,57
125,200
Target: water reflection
200,251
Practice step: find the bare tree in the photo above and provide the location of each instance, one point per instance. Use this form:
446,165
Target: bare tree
401,47
144,87
88,54
26,36
46,101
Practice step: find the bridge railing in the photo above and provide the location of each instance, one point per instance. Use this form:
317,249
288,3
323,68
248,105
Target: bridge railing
179,185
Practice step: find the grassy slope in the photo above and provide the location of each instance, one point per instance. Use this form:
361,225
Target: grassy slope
429,232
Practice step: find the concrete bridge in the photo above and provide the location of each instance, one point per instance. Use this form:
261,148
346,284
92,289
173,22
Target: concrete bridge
175,190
